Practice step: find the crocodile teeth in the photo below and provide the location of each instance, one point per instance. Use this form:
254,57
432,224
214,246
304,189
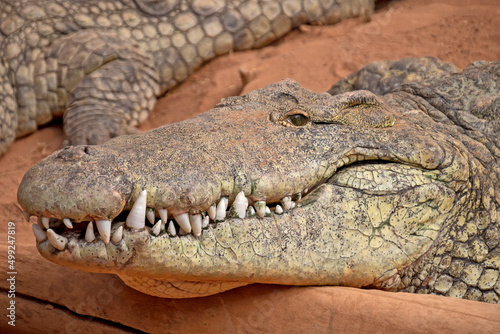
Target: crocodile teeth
205,222
117,235
221,210
104,228
136,218
163,215
195,221
89,234
250,212
67,222
156,229
212,211
260,208
278,210
45,222
292,205
286,202
39,233
150,215
183,221
268,211
58,241
171,229
240,205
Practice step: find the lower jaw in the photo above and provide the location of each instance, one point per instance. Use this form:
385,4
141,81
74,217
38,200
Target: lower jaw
177,289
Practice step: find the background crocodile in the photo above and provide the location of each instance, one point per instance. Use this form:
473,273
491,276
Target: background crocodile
398,192
102,64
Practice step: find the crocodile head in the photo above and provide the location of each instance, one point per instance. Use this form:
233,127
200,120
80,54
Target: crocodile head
281,186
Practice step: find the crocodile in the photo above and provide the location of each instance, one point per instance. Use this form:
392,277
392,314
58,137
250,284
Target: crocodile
100,65
283,185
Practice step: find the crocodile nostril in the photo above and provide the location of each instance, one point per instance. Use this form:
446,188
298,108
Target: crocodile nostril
86,150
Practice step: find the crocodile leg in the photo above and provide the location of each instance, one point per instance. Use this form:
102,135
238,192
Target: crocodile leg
105,85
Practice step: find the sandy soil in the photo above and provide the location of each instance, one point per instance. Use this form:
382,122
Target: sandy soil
53,297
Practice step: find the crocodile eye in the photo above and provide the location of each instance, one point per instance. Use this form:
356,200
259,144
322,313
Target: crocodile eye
298,119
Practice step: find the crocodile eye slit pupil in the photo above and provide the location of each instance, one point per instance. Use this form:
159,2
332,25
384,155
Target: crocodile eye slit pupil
298,119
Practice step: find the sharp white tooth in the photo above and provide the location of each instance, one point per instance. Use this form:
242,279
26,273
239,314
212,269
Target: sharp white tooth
221,210
58,241
240,205
250,212
286,202
195,221
117,235
89,234
26,215
171,229
104,228
45,222
67,222
298,196
278,210
39,233
292,205
162,225
268,211
156,228
137,217
226,200
183,221
150,214
260,208
212,211
163,214
204,223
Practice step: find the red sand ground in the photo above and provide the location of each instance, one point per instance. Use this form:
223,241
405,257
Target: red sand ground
50,298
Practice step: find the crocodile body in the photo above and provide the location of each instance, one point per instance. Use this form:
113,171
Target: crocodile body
102,64
287,186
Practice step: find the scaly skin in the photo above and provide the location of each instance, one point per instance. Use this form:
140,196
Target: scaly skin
382,77
398,192
102,64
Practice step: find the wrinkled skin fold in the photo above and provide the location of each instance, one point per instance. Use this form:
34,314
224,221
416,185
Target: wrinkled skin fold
397,191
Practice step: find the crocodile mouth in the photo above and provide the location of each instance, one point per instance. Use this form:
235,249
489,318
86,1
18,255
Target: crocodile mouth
374,174
370,205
